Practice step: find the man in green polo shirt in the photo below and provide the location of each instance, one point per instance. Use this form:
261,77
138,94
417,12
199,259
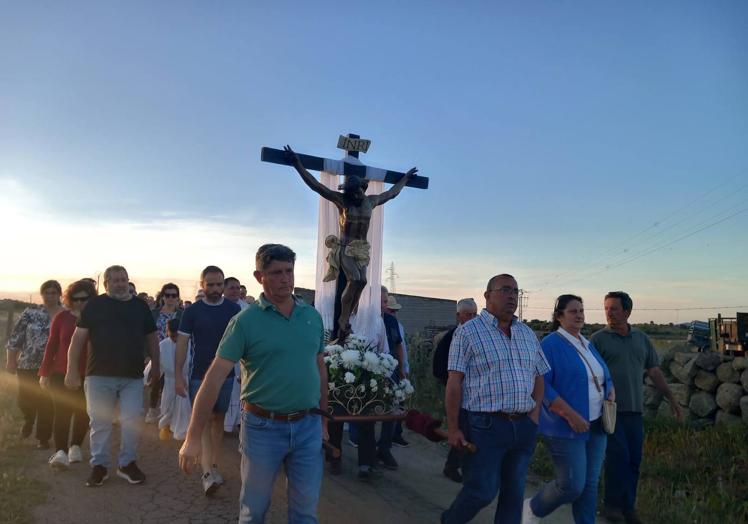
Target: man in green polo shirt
629,354
279,341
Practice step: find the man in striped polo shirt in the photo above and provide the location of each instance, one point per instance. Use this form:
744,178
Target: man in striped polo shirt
493,397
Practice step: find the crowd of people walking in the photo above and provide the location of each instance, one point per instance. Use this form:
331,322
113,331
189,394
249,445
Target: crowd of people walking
226,362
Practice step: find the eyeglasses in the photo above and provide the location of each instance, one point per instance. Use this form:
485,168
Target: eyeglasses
171,295
79,299
506,290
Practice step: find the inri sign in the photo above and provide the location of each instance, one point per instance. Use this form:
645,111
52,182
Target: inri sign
353,144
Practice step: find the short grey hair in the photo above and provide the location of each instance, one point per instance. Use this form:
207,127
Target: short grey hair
113,269
465,303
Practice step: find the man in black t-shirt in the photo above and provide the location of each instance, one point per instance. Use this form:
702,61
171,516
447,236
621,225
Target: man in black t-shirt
117,327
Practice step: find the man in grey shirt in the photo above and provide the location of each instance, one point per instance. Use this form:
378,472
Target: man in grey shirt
629,354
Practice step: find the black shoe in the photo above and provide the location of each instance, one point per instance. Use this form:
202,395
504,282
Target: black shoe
400,442
631,517
131,473
98,476
43,444
368,473
453,474
612,514
336,467
26,429
387,460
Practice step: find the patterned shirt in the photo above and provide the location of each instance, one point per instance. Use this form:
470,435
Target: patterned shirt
499,371
29,337
162,320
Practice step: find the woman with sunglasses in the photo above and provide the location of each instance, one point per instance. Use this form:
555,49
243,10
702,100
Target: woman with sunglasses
571,416
169,309
68,403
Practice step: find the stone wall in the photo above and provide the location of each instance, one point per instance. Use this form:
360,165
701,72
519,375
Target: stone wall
710,387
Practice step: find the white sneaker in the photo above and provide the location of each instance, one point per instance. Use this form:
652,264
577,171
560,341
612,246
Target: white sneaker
528,517
216,475
152,416
59,460
209,484
74,454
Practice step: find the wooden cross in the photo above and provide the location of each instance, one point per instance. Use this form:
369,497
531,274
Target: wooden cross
344,167
350,166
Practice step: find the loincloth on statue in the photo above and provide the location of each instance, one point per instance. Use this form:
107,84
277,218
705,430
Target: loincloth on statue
358,250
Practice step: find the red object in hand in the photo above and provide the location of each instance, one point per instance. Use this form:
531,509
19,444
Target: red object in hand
424,424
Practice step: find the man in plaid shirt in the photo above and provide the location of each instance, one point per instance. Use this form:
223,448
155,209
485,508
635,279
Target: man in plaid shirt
493,397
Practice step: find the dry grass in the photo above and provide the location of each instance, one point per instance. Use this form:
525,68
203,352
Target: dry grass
19,494
700,476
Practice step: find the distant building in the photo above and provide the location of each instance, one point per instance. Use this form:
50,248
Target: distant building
424,315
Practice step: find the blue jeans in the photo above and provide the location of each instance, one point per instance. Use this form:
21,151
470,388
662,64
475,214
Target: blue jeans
504,448
578,464
265,445
102,395
622,460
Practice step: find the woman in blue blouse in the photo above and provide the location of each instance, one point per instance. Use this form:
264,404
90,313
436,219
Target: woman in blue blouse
570,418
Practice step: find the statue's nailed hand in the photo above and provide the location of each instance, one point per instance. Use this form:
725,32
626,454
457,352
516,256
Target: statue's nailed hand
411,172
291,154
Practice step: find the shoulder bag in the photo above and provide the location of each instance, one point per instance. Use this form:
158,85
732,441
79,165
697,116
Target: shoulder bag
609,406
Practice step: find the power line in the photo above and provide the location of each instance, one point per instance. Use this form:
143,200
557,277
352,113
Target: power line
653,249
625,253
655,308
621,251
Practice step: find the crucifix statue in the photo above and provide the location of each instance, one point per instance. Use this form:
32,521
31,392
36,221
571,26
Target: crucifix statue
349,251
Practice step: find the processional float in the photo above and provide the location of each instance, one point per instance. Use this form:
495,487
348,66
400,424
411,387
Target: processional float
348,282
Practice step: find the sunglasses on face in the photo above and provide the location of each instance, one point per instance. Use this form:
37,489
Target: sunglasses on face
79,299
171,295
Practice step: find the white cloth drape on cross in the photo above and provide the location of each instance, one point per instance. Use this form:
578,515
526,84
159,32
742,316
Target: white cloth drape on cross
367,320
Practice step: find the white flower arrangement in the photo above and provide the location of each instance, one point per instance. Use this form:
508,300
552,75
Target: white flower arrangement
359,379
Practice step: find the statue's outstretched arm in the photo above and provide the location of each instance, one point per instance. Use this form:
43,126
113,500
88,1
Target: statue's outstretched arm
381,198
311,181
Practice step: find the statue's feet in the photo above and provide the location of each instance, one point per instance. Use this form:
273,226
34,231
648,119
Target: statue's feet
343,334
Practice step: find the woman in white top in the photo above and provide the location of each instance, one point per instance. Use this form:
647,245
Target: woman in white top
570,417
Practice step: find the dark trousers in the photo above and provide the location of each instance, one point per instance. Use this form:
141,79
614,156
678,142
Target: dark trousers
504,448
366,442
623,457
35,403
68,404
388,430
155,397
386,433
454,459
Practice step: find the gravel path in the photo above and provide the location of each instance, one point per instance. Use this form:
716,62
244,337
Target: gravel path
416,493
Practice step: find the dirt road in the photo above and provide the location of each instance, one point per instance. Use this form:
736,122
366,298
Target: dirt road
416,493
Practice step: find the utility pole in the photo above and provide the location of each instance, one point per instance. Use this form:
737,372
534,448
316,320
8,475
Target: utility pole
391,276
522,302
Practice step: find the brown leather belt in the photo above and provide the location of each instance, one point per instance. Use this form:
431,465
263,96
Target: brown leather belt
508,416
286,417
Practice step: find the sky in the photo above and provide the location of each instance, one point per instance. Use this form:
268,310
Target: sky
580,146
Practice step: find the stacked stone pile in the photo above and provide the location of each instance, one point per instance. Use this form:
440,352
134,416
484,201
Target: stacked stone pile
710,387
